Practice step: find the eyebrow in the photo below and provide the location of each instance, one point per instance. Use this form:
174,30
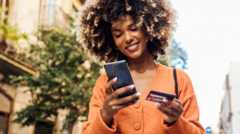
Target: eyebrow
116,29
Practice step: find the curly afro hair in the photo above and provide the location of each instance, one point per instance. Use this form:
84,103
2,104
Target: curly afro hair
155,17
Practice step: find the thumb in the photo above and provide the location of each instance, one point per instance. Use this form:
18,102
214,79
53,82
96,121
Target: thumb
109,86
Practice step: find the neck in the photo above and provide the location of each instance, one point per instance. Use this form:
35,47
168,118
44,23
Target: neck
142,64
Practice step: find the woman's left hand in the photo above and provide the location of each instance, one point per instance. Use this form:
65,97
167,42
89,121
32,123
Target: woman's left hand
172,109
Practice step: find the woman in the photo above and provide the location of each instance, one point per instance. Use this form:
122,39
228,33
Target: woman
137,31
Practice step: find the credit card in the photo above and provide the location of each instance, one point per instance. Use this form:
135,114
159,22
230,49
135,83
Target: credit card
160,97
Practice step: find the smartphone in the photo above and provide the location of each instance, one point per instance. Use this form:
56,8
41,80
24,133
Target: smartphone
160,97
120,70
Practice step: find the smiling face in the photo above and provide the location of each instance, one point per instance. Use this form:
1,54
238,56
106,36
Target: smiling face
129,38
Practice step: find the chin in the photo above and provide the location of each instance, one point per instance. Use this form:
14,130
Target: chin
134,56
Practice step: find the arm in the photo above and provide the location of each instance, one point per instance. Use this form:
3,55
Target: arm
104,104
95,123
188,121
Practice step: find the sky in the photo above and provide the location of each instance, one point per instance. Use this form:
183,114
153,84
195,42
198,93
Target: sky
209,31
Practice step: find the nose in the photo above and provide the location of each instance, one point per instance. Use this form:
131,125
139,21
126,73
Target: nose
128,38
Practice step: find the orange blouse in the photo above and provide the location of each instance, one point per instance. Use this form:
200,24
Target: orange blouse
144,117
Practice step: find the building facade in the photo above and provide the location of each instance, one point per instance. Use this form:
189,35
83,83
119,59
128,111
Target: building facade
230,108
28,16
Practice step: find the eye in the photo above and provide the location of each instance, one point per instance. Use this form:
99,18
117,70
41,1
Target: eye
117,34
133,28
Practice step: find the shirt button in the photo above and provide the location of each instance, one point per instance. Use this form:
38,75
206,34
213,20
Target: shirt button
137,126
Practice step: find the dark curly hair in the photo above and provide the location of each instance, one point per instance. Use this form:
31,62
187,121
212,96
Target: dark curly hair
155,17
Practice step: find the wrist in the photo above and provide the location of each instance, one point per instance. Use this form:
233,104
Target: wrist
107,118
169,123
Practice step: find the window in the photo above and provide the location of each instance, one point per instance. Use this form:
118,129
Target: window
4,10
3,123
43,127
47,14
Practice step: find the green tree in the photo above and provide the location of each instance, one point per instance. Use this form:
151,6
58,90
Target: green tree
65,79
178,56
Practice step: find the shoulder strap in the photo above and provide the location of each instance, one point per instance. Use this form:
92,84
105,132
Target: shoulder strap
175,82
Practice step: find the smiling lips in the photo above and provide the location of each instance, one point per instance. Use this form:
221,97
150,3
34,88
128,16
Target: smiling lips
132,47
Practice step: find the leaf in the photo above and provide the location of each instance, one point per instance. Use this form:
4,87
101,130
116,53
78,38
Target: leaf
58,85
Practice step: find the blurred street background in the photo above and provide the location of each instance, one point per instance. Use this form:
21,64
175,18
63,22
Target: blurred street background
34,34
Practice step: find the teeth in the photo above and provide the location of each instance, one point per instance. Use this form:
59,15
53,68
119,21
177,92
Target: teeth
132,47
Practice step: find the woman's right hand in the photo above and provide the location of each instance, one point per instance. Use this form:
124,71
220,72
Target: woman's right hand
113,103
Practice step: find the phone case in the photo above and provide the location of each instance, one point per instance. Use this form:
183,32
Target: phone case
120,70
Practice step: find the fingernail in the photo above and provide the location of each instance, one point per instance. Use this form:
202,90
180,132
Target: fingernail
138,94
157,104
115,79
131,87
165,100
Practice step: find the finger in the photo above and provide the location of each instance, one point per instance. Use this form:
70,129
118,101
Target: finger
175,110
122,90
116,107
173,107
109,85
177,101
126,100
119,107
176,105
167,110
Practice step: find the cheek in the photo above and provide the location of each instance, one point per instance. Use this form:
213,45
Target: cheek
118,42
141,36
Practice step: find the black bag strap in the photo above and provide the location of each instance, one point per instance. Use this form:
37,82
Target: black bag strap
175,82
